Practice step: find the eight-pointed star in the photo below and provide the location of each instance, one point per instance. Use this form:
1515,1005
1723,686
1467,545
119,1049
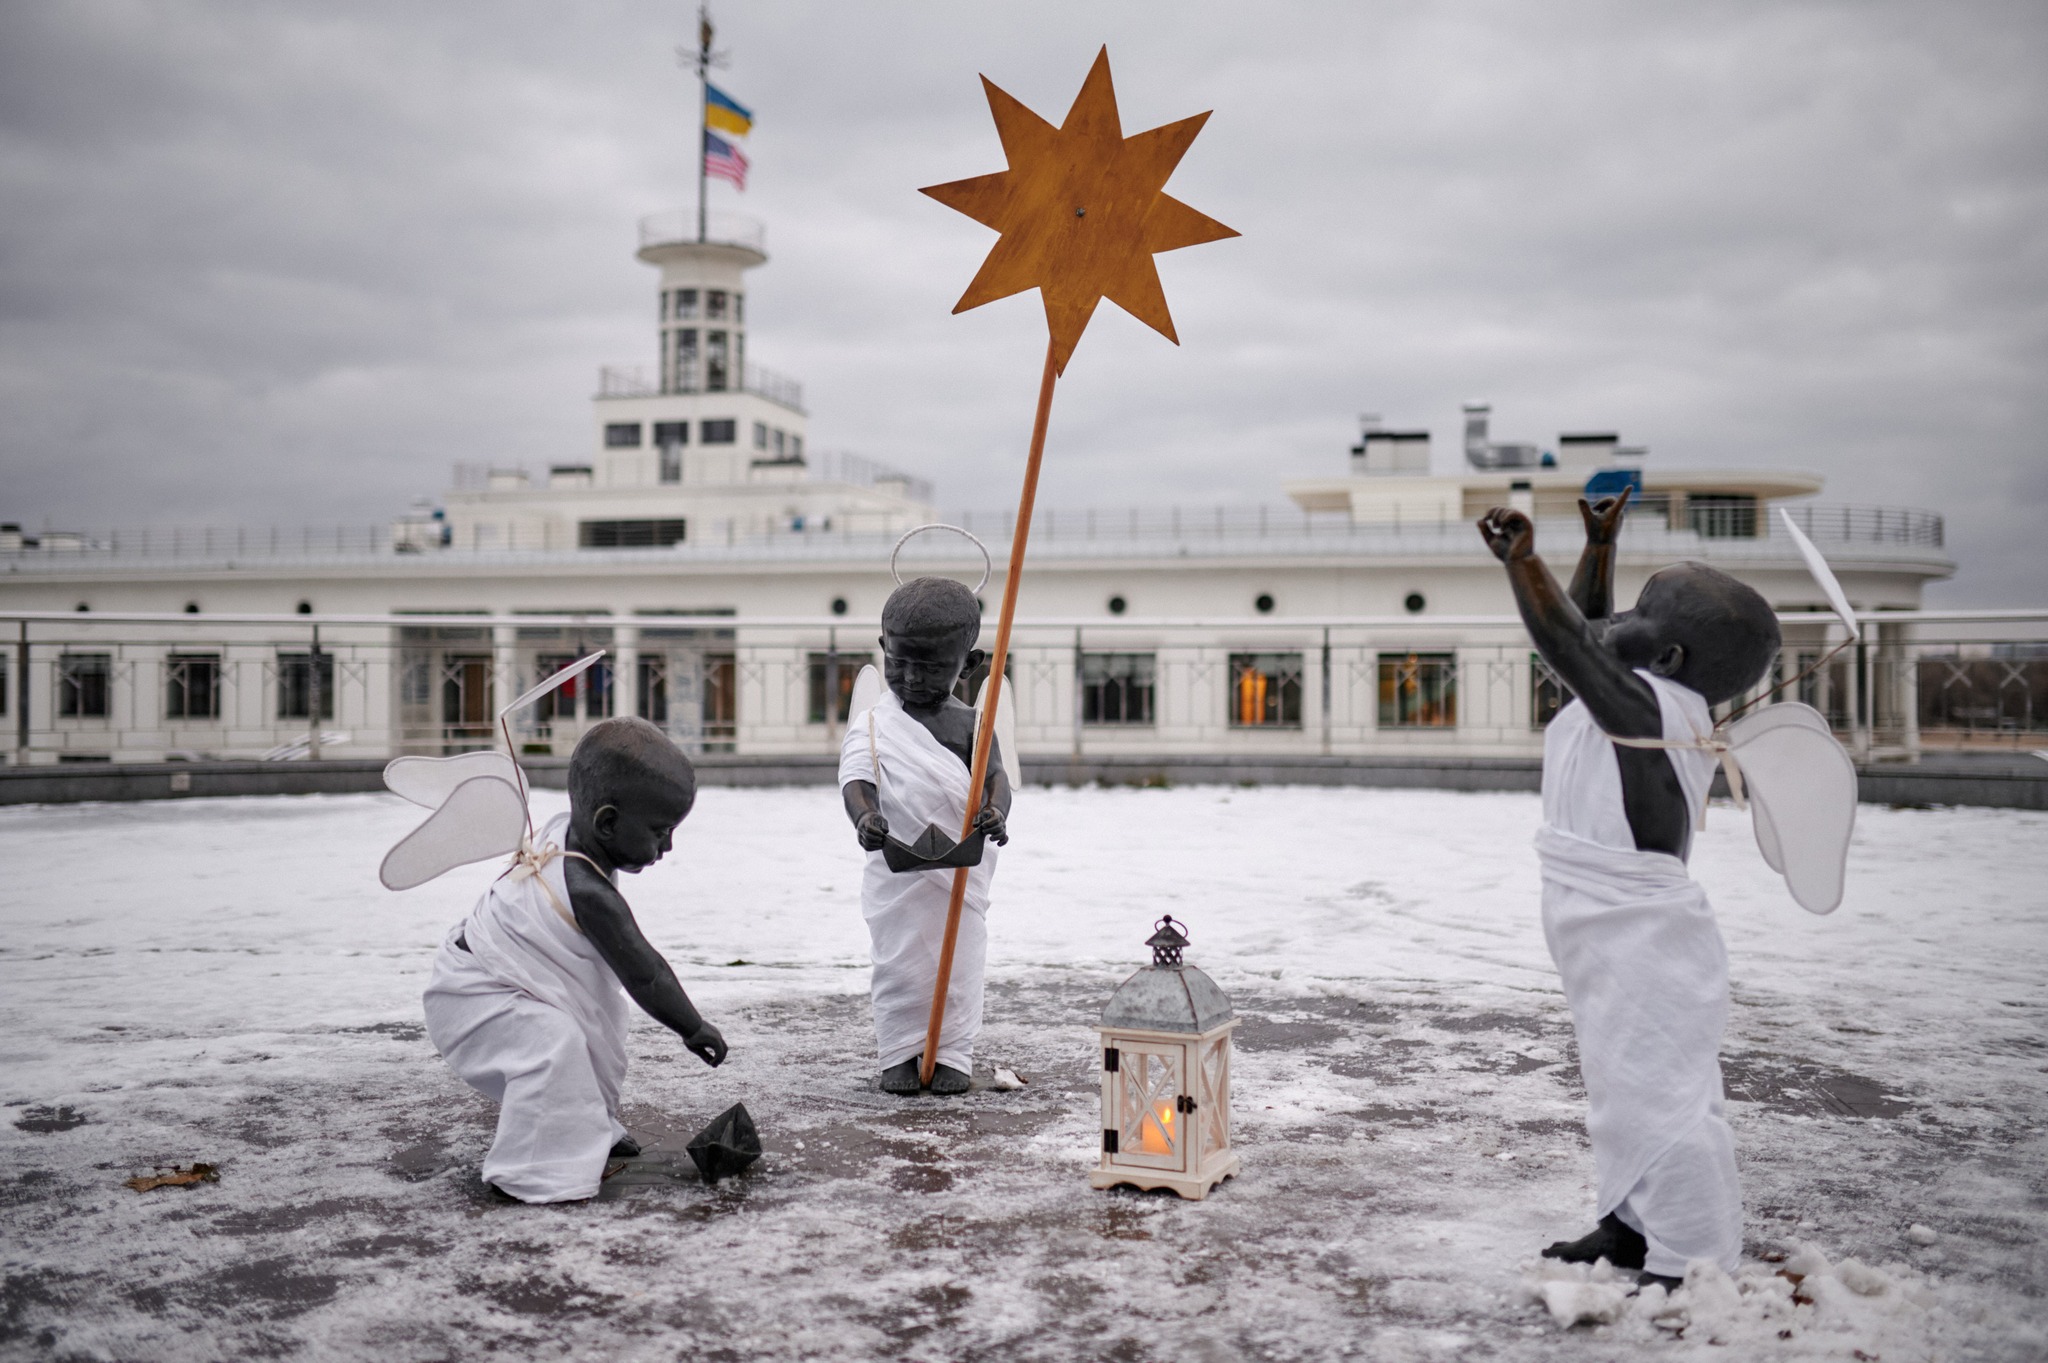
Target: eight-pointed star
1081,211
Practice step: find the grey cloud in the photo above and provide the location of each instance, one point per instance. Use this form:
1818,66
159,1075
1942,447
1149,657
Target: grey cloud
279,263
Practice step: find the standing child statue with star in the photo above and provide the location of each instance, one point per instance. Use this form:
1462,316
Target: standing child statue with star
905,765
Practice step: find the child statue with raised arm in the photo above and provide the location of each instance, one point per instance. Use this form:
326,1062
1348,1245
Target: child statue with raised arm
525,1002
1625,776
906,765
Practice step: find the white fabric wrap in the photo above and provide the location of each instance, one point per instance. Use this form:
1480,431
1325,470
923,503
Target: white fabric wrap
1646,974
921,782
532,1017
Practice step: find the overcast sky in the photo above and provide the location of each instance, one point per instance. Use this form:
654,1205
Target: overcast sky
290,262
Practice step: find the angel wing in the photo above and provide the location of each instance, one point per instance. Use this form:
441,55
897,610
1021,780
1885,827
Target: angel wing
1802,791
1006,732
427,781
867,689
551,681
1824,575
483,817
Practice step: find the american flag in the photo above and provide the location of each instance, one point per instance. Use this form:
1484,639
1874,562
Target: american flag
723,159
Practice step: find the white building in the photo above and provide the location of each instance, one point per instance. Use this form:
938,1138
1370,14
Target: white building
737,578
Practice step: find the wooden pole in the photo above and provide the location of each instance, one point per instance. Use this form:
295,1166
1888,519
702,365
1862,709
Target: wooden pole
993,695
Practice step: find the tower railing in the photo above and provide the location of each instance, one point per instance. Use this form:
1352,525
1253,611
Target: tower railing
636,381
678,226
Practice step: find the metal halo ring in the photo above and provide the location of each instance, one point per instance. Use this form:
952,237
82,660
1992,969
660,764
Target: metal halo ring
988,566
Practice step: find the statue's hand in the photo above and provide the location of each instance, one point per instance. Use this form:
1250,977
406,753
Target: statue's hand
706,1044
873,831
1603,518
1508,533
988,819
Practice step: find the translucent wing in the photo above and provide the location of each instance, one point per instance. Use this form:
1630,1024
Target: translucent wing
427,781
1822,574
1802,789
481,818
1006,732
867,689
534,693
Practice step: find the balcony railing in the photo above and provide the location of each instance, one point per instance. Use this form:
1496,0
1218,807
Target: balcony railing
634,381
678,226
1227,531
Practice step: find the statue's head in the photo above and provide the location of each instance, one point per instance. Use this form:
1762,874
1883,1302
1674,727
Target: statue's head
629,786
1699,627
929,626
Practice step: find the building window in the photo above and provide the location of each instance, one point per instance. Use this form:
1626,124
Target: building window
686,304
686,361
1265,690
721,696
298,676
1722,515
593,687
648,534
781,444
796,446
663,317
1547,694
622,435
653,689
714,304
849,666
716,361
1418,690
192,686
1118,688
84,684
739,309
721,432
3,685
760,435
671,433
669,438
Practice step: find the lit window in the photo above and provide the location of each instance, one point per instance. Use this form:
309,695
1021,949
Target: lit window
84,681
1265,690
1118,688
1418,690
822,683
622,435
721,432
192,686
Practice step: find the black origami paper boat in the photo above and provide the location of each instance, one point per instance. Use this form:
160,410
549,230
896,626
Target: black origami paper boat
726,1146
933,850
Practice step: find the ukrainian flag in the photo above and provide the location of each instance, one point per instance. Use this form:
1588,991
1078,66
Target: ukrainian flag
723,112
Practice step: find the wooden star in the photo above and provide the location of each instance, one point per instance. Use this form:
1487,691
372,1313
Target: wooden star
1081,211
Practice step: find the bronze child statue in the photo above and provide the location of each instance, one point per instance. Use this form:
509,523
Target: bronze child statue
1625,777
525,1002
904,767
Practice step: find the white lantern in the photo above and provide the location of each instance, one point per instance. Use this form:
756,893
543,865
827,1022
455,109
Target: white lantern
1166,1076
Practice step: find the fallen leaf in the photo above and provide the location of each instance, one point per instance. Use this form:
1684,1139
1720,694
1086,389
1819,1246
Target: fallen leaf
176,1178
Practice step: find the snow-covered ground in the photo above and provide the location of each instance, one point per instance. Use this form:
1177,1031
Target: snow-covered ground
225,981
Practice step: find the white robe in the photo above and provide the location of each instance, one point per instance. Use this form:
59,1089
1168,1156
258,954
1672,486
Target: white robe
921,782
532,1017
1646,974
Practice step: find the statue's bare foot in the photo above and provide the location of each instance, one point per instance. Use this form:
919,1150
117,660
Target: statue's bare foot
902,1078
1613,1240
626,1148
947,1080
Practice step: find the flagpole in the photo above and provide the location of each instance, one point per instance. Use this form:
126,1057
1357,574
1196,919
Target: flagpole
992,696
703,108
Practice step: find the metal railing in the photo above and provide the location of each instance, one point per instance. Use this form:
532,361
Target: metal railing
678,226
151,687
618,381
1136,531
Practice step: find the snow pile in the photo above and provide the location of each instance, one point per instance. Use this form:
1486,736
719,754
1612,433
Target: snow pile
1831,1306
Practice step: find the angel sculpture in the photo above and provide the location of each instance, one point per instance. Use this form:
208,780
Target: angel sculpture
906,764
525,1000
1626,771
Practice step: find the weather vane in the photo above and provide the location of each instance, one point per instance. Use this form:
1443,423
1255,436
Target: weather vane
1082,210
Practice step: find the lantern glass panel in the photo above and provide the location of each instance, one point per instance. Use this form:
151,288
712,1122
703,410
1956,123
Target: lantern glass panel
1151,1126
1213,1102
